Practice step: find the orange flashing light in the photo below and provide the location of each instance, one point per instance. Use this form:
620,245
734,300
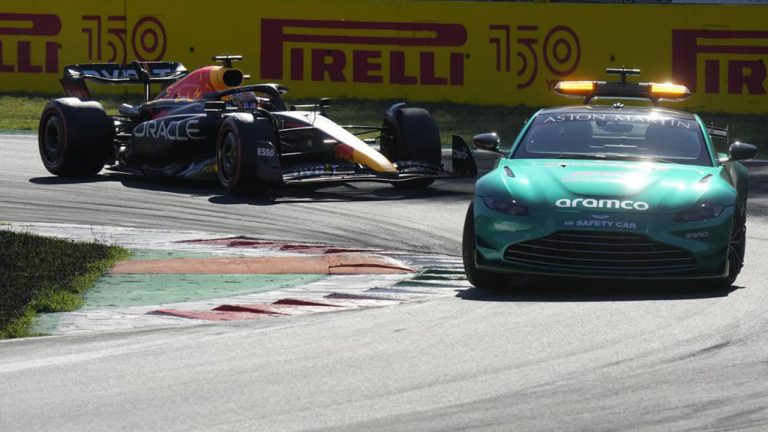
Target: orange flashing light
575,88
670,91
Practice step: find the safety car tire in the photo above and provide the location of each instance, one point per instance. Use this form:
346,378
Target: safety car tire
75,138
737,245
479,278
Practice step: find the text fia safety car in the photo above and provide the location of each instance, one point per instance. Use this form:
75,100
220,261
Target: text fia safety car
206,124
610,191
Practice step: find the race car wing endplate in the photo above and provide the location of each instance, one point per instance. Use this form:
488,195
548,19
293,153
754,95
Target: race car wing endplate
146,73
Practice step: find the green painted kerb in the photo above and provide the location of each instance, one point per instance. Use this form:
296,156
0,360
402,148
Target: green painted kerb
127,290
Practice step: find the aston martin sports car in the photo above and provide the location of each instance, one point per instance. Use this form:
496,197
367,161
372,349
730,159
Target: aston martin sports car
207,124
610,191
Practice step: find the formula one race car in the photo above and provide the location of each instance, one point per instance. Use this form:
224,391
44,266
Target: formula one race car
206,124
610,191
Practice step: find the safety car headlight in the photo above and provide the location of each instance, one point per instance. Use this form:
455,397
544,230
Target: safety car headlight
701,211
506,205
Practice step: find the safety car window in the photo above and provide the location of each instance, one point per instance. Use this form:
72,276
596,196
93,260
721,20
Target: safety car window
615,136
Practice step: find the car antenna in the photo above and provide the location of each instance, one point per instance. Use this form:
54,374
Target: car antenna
623,72
226,59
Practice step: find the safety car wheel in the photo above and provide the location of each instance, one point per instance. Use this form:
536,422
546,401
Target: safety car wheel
236,158
412,135
736,248
75,138
480,278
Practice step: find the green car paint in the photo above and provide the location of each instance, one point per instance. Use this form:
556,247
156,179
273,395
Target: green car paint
610,192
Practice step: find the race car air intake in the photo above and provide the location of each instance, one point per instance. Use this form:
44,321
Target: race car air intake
233,77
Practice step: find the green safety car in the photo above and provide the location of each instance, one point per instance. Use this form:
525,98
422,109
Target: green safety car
610,191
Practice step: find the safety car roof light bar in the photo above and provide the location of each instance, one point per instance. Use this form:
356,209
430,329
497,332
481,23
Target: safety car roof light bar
622,89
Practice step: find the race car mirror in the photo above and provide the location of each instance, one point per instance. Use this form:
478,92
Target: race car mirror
487,141
463,163
215,106
741,151
324,103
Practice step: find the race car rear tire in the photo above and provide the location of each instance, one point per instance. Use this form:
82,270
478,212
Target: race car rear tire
236,156
479,278
411,134
75,138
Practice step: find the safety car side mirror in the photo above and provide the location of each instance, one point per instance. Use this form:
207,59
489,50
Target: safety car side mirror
487,141
741,151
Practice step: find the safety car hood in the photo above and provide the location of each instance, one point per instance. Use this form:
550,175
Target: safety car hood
609,186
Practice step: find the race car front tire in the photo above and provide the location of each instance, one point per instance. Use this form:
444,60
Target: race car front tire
75,138
236,152
411,134
478,277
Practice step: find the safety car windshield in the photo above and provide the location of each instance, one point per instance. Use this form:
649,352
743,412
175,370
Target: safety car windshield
615,136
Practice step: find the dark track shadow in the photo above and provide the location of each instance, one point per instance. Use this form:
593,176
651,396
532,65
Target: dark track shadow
344,192
53,180
587,290
180,186
359,192
757,202
758,179
177,186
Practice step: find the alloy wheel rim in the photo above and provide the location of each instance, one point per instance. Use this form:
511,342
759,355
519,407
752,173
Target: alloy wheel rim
736,246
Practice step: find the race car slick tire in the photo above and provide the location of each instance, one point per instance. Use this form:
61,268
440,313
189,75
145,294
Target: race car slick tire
411,135
236,158
75,138
479,278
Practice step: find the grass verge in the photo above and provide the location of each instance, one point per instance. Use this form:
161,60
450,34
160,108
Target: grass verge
43,274
22,112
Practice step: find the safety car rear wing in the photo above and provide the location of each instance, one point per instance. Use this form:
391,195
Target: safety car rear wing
720,137
718,132
654,92
145,73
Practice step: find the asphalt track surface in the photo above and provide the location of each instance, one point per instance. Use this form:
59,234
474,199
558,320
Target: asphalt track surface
559,356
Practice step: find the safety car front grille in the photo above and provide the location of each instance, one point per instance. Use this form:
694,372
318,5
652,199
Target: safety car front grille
600,252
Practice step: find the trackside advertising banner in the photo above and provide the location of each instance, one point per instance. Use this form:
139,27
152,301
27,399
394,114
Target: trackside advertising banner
461,51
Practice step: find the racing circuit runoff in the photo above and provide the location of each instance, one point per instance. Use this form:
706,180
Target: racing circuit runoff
560,355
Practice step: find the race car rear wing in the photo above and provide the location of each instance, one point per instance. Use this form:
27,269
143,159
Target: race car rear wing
145,73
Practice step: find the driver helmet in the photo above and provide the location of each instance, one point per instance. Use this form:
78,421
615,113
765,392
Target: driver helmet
245,100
